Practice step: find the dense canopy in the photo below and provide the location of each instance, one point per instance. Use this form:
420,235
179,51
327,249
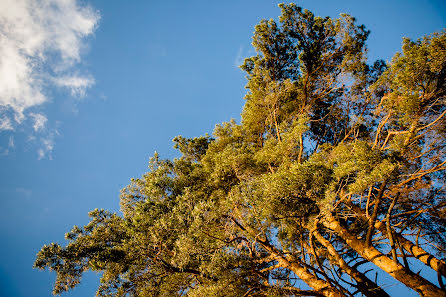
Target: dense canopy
337,168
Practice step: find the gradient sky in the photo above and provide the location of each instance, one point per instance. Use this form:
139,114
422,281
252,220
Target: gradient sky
103,84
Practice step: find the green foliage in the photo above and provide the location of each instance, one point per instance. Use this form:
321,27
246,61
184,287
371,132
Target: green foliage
323,137
416,79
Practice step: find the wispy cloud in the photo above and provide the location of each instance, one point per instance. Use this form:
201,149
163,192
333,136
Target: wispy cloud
4,151
5,124
239,58
47,145
39,121
75,83
24,192
41,42
242,54
11,142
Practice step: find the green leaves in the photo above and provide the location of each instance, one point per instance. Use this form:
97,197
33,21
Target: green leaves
328,149
97,246
302,69
416,77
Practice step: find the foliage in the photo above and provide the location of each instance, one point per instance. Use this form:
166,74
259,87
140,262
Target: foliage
335,164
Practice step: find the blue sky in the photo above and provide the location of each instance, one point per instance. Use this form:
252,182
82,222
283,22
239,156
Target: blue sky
90,89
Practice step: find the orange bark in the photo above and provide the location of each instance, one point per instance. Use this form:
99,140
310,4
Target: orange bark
396,270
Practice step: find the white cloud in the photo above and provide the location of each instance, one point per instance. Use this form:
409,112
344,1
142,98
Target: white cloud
242,54
24,192
5,151
5,124
11,142
41,42
76,84
39,121
239,58
46,146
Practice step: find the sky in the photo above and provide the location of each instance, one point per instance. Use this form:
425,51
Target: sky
90,89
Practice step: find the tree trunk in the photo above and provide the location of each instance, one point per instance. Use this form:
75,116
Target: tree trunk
365,285
319,285
396,270
419,253
416,251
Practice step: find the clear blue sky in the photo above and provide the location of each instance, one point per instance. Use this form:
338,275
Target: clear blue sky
143,72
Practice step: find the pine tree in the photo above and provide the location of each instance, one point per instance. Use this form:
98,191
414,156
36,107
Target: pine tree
336,167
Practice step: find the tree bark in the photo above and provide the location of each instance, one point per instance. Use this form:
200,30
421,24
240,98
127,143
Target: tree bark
419,253
365,285
322,287
396,270
319,285
416,251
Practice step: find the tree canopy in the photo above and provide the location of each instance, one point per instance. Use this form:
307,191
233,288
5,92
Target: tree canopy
336,169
